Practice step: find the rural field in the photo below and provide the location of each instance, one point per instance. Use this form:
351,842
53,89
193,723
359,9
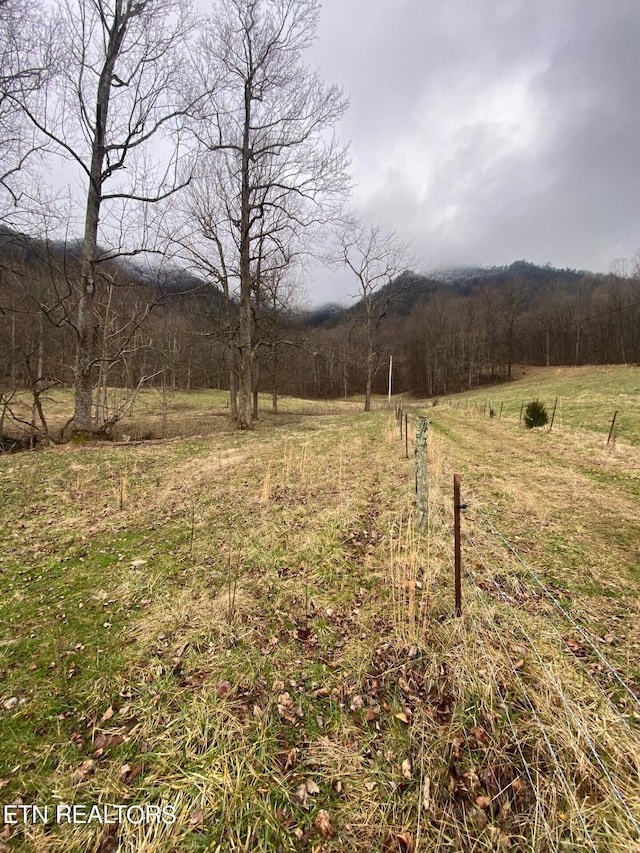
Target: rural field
247,629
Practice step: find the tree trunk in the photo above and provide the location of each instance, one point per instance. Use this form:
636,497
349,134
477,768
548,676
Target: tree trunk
254,393
245,418
547,348
233,393
82,421
274,373
367,393
86,306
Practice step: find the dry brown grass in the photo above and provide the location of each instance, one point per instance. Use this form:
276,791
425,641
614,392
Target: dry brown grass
282,643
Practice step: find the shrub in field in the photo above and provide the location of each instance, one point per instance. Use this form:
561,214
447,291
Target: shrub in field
535,414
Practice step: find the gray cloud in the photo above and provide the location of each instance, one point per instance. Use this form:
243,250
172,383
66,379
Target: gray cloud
489,131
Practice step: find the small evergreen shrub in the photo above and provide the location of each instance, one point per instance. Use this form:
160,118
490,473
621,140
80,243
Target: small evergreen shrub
535,414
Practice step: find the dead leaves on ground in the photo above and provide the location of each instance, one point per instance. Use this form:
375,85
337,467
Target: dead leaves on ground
83,772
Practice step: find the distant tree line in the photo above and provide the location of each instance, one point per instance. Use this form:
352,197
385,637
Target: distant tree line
171,331
206,143
468,331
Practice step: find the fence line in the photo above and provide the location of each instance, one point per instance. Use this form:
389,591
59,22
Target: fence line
561,694
593,754
551,597
547,592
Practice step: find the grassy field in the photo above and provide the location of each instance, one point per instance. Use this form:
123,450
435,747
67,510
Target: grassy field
587,398
248,629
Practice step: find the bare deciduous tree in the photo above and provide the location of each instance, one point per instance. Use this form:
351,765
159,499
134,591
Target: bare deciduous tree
206,235
120,89
271,121
375,258
27,39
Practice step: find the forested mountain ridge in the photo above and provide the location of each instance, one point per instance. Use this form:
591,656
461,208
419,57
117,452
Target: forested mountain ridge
448,330
411,288
458,328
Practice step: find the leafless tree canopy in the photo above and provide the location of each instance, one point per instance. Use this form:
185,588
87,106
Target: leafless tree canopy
375,258
119,83
269,126
26,62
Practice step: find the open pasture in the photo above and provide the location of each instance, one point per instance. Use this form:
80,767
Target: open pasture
247,627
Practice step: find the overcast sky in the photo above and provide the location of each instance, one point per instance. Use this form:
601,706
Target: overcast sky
489,131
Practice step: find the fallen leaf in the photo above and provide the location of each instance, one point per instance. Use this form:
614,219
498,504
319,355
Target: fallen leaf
357,703
197,817
311,787
471,780
108,842
480,735
82,773
498,837
402,843
323,824
404,716
483,802
370,786
222,689
457,740
300,794
107,715
406,768
426,793
132,773
104,740
285,704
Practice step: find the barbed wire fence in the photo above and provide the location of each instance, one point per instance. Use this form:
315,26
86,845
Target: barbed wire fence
596,702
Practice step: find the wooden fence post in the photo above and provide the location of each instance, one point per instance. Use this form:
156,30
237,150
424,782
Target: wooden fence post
422,483
613,423
406,435
553,416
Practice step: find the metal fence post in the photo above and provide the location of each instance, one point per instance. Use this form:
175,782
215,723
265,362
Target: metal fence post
456,541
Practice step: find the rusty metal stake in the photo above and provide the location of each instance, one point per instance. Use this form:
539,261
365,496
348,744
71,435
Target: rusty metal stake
613,423
456,541
553,416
